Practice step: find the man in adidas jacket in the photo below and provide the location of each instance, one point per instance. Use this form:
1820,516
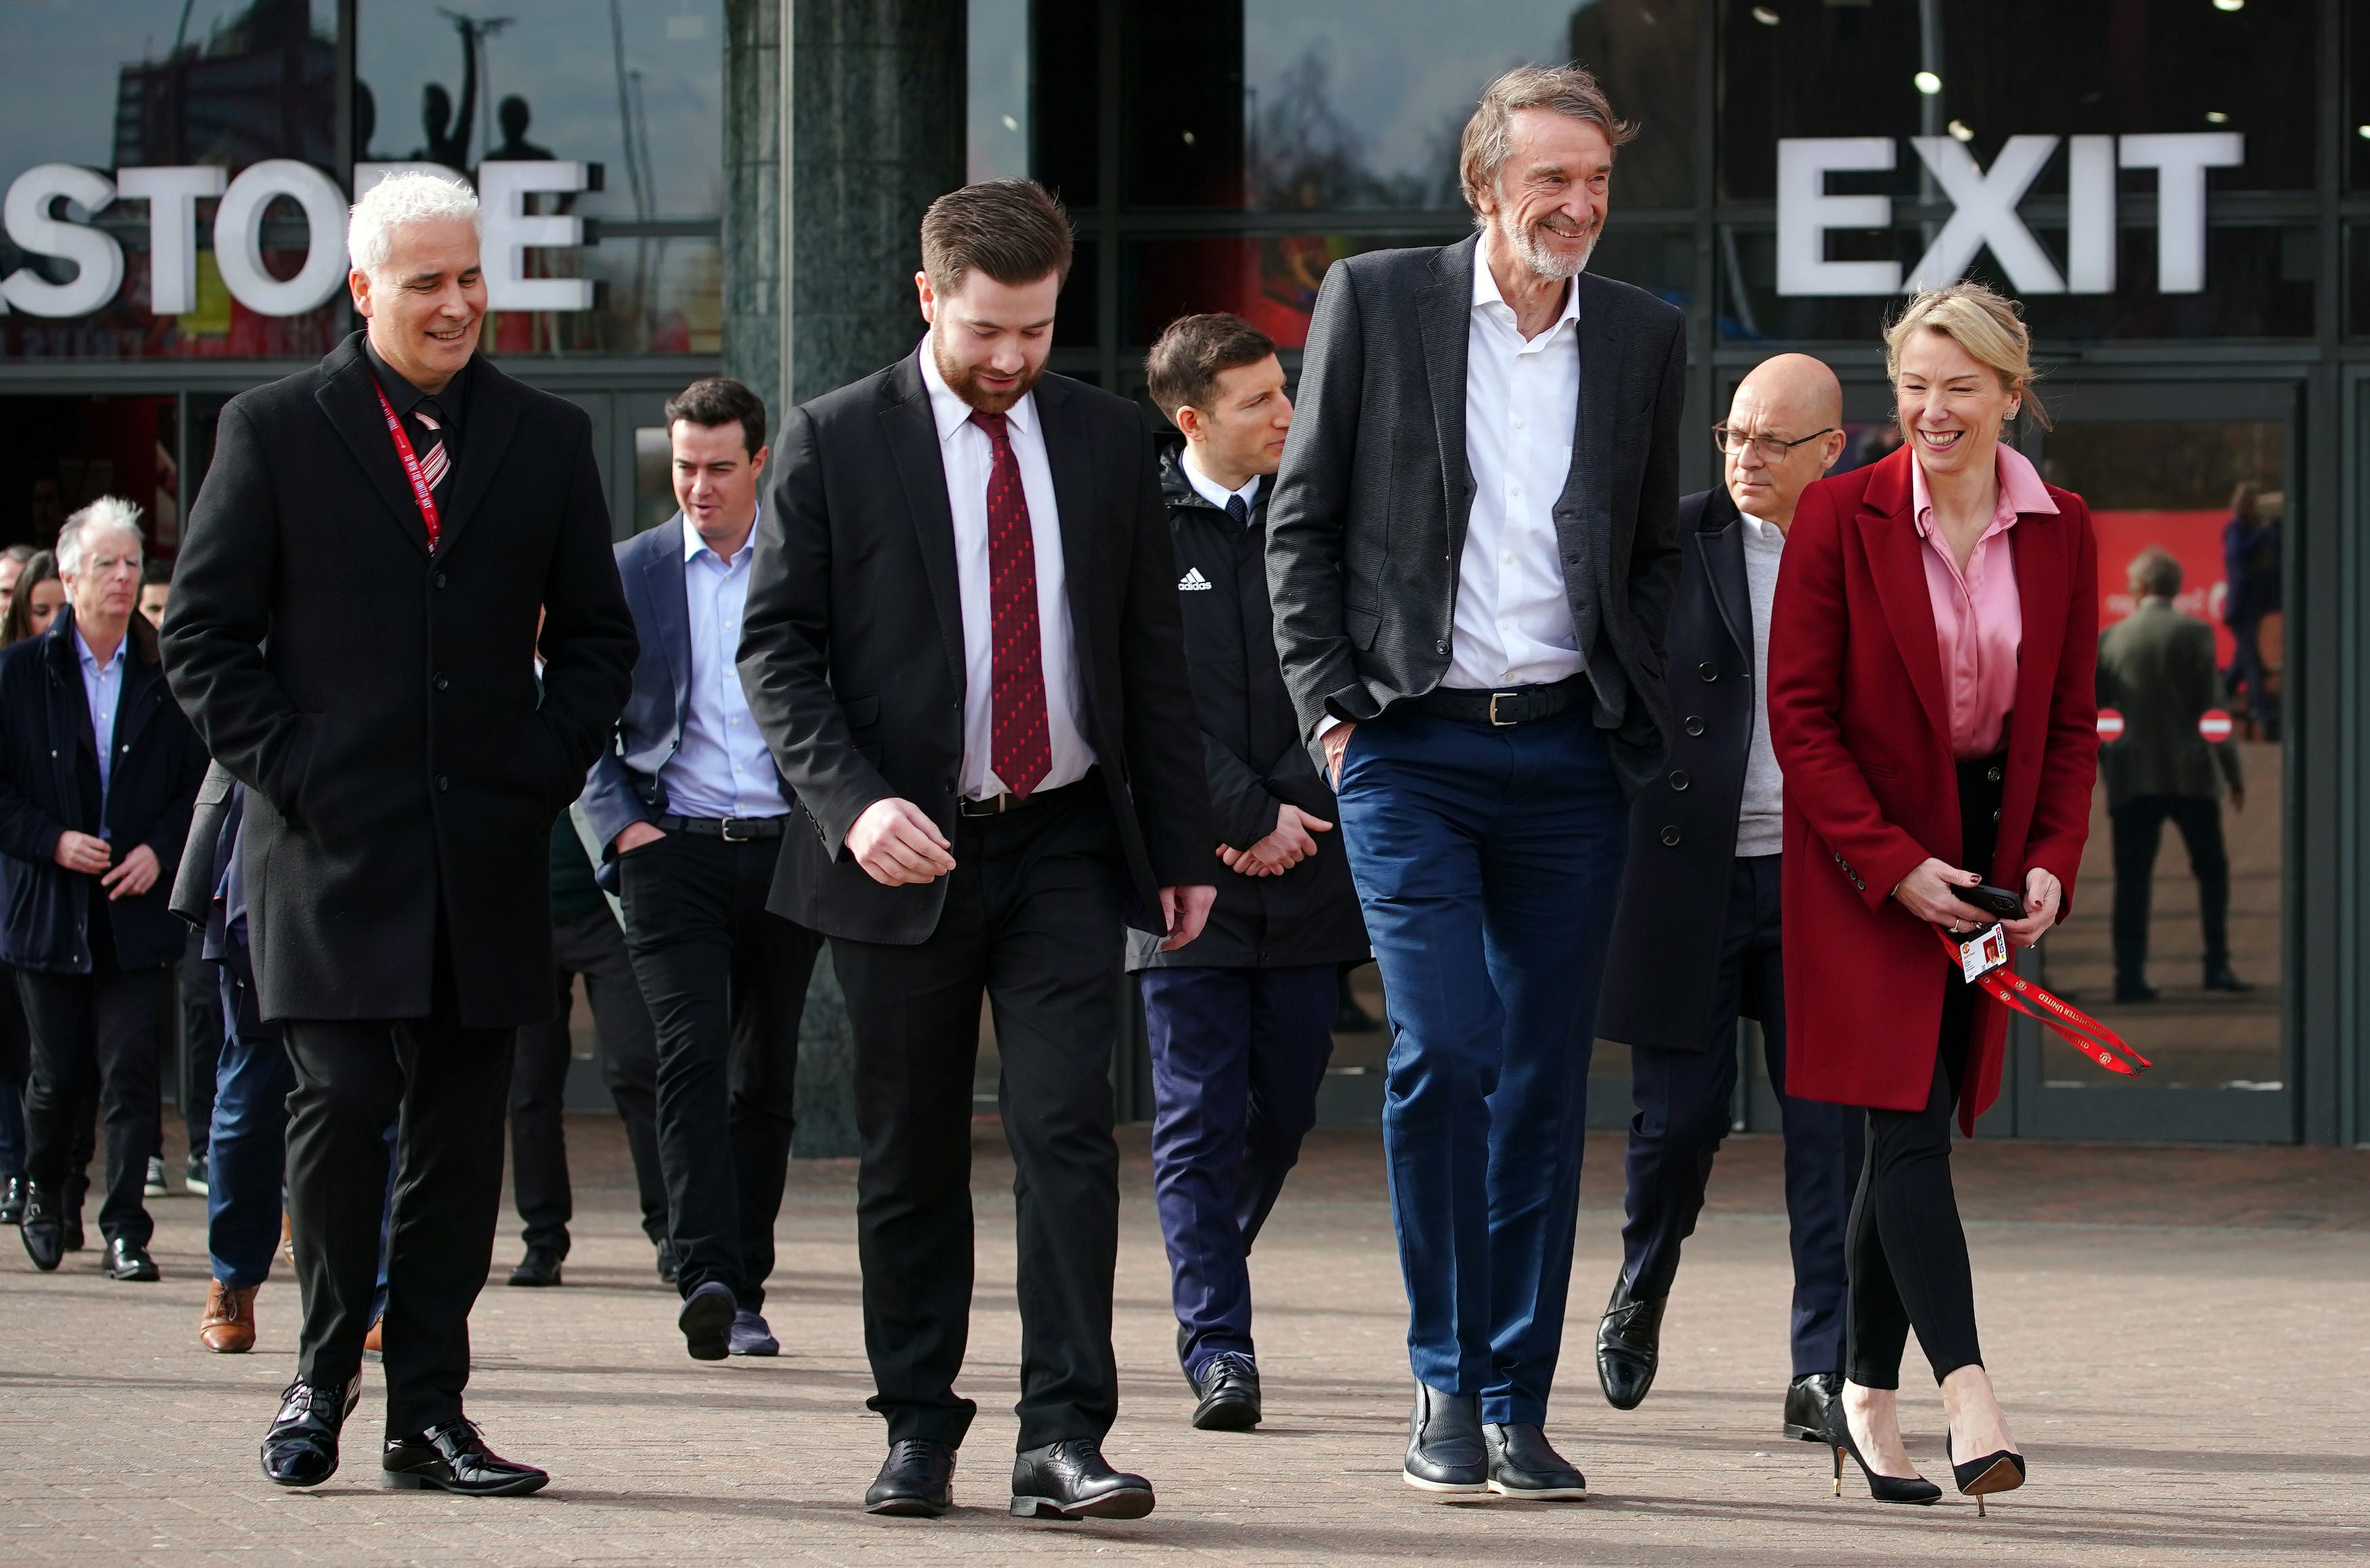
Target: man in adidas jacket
1240,1019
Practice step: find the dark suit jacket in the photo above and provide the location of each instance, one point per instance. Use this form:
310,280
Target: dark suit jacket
1368,527
49,783
2157,667
1674,890
194,883
381,704
852,649
1251,752
623,786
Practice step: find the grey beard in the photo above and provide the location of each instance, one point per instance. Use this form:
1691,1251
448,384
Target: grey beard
1548,263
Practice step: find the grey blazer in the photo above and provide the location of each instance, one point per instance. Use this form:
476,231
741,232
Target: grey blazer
1368,524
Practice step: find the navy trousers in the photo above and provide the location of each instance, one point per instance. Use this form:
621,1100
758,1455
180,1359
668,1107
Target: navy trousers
1236,1059
247,1136
1487,861
1683,1113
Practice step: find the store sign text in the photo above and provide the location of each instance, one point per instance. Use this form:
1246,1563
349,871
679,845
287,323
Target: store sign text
1984,202
173,193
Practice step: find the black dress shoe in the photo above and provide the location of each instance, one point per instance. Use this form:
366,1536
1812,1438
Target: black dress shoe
129,1261
1807,1398
1629,1347
1070,1480
1229,1388
539,1268
301,1448
1523,1464
666,1261
12,1200
42,1232
2220,976
1446,1453
2133,990
917,1481
450,1457
707,1320
73,1237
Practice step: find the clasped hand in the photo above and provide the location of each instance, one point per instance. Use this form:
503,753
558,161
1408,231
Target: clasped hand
1291,841
92,855
1929,893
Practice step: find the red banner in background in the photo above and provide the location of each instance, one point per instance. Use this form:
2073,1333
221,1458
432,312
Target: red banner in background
2195,540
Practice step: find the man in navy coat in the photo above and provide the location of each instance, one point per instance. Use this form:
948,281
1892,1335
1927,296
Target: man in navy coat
690,809
1696,934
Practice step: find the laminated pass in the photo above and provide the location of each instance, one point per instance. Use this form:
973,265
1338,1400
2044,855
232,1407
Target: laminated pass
1983,959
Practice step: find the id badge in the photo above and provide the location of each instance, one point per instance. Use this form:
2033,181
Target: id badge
1982,953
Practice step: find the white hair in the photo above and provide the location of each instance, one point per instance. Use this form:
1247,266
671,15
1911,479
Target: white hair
109,514
398,202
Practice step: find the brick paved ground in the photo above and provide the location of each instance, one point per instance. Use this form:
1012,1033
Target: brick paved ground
2182,1338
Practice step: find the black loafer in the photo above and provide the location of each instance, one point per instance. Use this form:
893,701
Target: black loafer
129,1261
301,1447
917,1481
1070,1480
1629,1347
540,1267
1523,1464
666,1261
450,1457
707,1320
44,1233
1229,1387
1446,1453
1807,1399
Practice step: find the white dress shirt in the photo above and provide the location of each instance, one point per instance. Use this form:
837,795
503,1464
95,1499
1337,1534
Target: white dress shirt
1215,493
968,456
1521,402
721,766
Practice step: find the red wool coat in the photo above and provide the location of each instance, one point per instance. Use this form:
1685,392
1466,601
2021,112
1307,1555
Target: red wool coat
1860,722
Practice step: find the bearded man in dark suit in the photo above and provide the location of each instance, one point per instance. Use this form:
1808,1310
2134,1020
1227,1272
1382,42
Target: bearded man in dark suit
353,631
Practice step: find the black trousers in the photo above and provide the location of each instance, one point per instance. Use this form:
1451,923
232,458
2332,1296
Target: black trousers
726,981
1033,920
2139,829
1906,1251
450,1085
90,1030
197,990
589,943
1683,1101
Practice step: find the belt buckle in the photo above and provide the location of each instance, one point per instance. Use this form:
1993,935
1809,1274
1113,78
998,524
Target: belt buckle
725,825
1495,698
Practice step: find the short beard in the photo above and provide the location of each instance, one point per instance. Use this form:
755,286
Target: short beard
1543,258
963,381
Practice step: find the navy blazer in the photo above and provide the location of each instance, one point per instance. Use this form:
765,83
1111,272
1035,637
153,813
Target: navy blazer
622,786
45,741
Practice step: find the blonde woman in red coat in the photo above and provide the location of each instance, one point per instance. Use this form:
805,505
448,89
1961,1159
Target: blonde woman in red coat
1931,654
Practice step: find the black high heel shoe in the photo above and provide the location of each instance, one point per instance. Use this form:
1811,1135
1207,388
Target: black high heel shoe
1884,1488
2002,1471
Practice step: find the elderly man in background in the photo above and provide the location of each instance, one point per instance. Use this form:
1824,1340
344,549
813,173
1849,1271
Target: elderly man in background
1472,554
98,774
1696,938
353,630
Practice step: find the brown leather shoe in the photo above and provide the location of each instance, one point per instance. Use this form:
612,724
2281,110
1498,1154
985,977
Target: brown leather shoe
227,1325
372,1344
287,1238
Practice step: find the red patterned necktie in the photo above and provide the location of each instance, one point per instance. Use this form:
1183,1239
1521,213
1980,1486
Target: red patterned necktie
1019,747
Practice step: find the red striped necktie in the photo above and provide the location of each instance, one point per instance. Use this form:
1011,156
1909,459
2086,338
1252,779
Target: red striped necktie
1020,749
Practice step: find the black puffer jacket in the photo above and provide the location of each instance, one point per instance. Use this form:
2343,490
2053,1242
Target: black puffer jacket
1252,753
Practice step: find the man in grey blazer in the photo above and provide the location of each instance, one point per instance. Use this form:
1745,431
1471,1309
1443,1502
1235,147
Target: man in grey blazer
1473,554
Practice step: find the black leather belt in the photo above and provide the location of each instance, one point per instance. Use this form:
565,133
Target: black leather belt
1508,706
1006,803
732,830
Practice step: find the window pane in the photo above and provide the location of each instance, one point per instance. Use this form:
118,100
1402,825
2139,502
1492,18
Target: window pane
59,454
999,90
1311,103
145,83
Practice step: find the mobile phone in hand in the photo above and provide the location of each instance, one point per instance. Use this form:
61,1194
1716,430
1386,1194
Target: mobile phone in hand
1997,902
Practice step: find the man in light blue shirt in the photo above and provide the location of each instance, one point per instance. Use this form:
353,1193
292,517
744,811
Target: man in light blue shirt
691,810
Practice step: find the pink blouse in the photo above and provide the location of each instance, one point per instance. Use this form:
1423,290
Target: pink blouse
1978,616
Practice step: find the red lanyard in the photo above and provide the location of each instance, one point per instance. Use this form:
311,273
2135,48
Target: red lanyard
410,464
2081,1031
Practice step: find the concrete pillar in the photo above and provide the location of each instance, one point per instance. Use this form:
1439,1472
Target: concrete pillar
819,268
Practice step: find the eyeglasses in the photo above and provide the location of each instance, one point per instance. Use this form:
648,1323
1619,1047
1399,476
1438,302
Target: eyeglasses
1771,449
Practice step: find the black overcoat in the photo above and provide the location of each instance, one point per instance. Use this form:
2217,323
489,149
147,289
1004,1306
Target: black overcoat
381,704
1669,925
46,746
1251,753
852,644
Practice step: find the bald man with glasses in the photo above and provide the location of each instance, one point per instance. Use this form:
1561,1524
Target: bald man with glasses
1696,933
